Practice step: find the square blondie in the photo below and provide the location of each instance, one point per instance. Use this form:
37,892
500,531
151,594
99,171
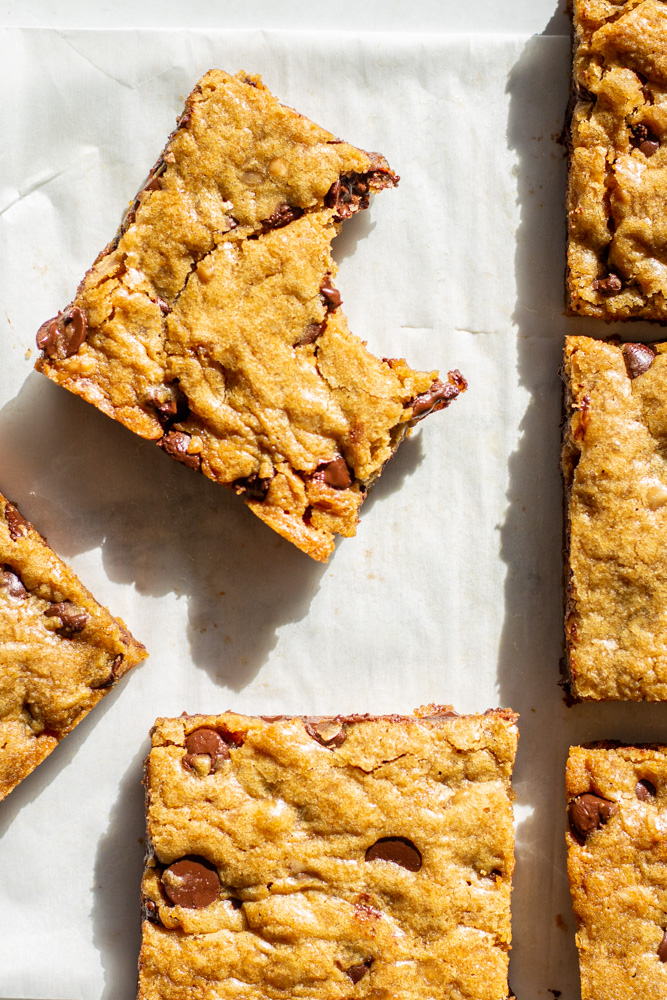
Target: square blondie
617,187
613,461
617,868
323,858
211,325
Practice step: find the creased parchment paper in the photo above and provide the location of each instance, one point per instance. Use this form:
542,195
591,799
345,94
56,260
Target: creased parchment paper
450,591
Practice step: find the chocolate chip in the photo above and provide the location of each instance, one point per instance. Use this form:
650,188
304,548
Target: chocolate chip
611,285
192,883
644,140
329,732
63,334
347,195
330,294
638,358
12,581
438,397
205,741
274,718
73,619
252,487
334,473
311,333
357,972
16,522
149,911
171,409
165,308
588,813
645,790
175,443
398,850
282,216
662,948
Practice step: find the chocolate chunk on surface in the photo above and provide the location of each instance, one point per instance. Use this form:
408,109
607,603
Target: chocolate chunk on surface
645,790
662,948
588,813
638,358
49,682
221,280
398,850
208,742
287,826
329,732
334,473
191,882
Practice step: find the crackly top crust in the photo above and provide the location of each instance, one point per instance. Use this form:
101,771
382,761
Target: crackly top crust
614,451
211,324
617,191
288,818
60,651
617,868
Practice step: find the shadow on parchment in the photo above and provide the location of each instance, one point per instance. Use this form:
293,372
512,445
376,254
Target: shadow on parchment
544,956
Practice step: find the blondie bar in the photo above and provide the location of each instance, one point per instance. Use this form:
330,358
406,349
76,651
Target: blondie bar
617,868
329,857
617,189
60,651
211,324
613,460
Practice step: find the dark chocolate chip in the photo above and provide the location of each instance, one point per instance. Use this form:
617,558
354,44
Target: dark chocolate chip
73,619
253,487
645,790
611,285
12,581
165,308
398,850
648,147
588,813
282,216
357,972
192,883
149,911
438,397
644,140
311,333
662,948
330,294
638,358
347,195
334,473
329,732
175,443
64,334
16,522
170,410
205,741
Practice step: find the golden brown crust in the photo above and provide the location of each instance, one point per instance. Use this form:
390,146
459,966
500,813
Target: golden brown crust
617,868
293,814
211,324
616,495
617,187
61,651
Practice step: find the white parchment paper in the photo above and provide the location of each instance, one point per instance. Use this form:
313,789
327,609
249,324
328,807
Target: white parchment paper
450,591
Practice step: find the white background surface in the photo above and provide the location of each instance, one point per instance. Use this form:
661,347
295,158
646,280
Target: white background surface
451,590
